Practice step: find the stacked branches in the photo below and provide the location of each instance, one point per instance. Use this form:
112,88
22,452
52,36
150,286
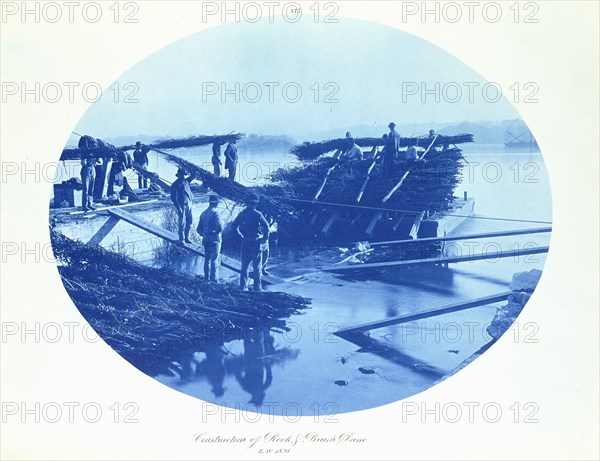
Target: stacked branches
313,150
231,189
147,314
192,141
429,186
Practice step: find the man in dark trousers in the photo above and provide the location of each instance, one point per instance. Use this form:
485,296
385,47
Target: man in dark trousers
182,196
388,157
216,158
393,140
210,228
140,156
231,159
253,228
88,178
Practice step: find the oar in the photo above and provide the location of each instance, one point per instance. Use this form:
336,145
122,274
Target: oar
397,186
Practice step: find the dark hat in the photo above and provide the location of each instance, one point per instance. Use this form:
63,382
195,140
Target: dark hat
137,143
180,172
213,198
392,125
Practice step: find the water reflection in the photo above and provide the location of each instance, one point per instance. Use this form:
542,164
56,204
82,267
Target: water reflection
393,355
253,372
215,363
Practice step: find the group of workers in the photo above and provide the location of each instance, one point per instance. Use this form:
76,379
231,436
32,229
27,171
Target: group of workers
123,161
389,154
250,224
231,158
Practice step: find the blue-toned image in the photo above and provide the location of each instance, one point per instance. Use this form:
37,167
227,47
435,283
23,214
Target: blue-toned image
302,219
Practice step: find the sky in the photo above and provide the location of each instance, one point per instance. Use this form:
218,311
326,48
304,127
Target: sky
365,73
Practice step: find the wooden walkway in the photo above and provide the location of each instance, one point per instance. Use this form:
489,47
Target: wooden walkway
173,238
423,315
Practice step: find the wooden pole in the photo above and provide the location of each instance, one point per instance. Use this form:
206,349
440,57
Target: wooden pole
171,237
153,177
454,259
405,175
329,171
423,315
367,177
541,230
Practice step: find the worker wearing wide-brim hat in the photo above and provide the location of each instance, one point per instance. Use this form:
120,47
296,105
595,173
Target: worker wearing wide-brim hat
253,229
393,141
182,197
210,228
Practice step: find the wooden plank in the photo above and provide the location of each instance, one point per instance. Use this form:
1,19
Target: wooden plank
539,230
151,228
104,230
152,177
112,207
398,319
455,259
373,223
368,176
405,175
329,171
330,222
414,230
173,238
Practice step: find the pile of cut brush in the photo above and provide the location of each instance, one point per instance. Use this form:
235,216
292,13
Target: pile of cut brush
103,149
429,186
349,201
147,314
232,190
312,150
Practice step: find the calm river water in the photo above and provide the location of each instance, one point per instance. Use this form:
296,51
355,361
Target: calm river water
309,370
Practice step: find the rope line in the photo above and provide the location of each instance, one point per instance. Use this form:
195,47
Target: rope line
490,218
